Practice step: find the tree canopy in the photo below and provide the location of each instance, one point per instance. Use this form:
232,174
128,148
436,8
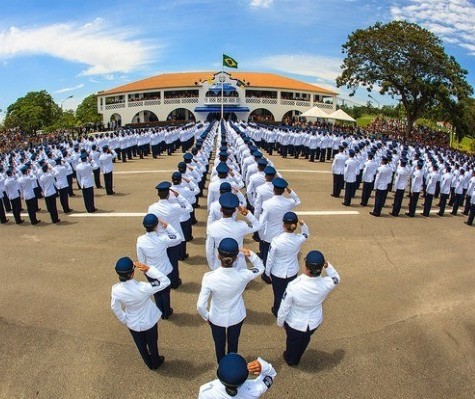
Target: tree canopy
32,112
405,61
87,110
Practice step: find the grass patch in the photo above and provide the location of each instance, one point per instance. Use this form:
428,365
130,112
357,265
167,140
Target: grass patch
365,120
466,144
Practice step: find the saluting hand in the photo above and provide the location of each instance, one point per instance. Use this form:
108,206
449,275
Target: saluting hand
244,211
175,192
141,266
163,223
254,367
245,251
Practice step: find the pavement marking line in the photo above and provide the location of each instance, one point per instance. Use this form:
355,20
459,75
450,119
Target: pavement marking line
141,214
133,172
304,171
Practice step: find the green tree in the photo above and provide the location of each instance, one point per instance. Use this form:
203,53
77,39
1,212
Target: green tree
87,110
33,112
405,61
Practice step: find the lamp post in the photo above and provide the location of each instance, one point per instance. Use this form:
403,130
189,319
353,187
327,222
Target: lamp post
370,96
67,98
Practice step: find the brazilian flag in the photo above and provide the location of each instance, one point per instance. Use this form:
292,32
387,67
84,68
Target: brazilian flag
229,62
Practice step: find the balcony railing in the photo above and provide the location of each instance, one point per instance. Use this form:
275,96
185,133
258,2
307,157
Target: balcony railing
225,100
252,100
324,106
115,106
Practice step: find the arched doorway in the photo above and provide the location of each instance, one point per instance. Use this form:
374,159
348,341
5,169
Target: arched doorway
144,117
291,116
181,114
115,121
261,115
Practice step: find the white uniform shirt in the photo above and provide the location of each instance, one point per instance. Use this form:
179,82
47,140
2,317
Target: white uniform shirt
171,211
445,183
351,170
106,162
263,193
131,302
84,175
383,177
225,286
250,389
61,175
228,227
152,248
26,186
282,260
432,182
402,174
417,180
274,210
301,306
338,165
47,184
12,188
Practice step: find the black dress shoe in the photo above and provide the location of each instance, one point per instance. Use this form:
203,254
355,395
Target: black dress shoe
423,214
68,211
468,224
393,214
266,279
20,221
284,355
5,221
36,222
439,214
409,214
57,221
161,359
165,317
175,286
375,214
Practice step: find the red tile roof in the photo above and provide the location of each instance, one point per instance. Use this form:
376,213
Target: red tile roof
188,79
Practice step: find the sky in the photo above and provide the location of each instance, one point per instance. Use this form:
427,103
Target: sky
77,48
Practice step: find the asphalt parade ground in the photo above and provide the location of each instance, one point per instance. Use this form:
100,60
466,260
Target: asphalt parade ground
400,325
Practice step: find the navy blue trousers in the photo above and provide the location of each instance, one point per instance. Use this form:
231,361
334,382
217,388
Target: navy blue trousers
147,345
223,334
173,255
162,298
296,344
278,286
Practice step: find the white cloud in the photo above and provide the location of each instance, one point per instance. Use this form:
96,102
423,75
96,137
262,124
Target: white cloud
66,89
324,69
451,20
104,49
261,3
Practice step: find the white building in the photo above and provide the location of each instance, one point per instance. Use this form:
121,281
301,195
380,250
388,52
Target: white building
252,96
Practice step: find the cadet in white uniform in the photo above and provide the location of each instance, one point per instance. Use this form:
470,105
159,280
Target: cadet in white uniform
227,226
273,212
232,379
282,263
131,303
84,176
301,310
170,212
225,286
152,251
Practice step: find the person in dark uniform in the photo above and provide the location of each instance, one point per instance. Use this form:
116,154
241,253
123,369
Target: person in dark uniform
301,310
131,303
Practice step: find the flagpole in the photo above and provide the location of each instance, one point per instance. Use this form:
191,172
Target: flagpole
222,89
